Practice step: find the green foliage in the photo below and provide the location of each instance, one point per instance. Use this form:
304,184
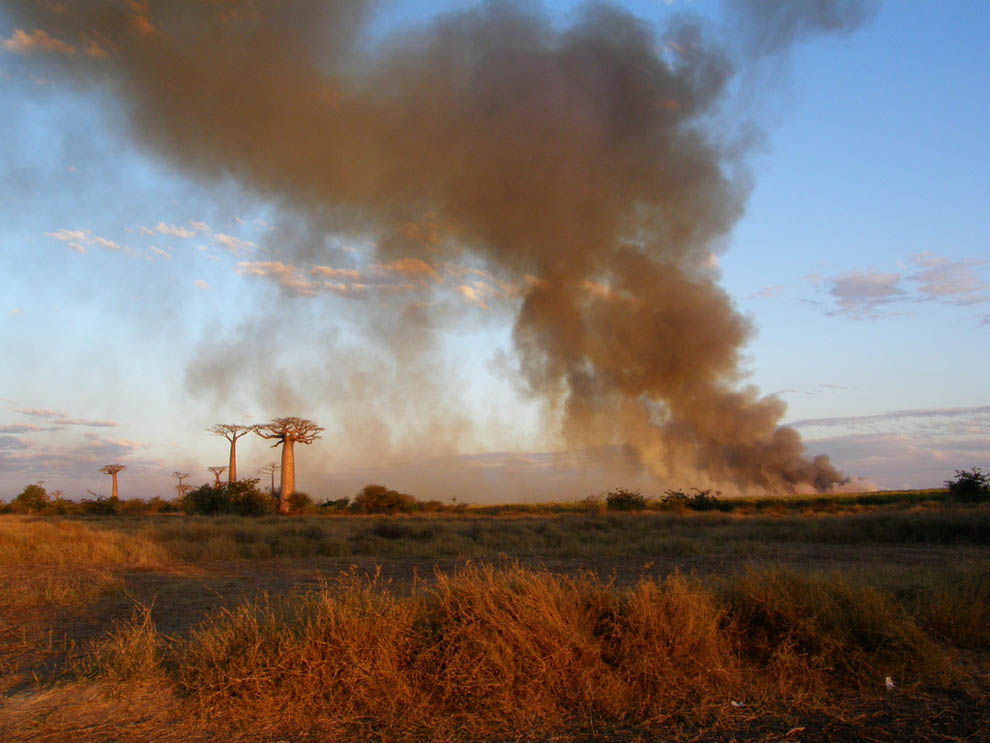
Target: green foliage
300,502
379,499
702,500
32,498
240,498
969,485
102,506
622,499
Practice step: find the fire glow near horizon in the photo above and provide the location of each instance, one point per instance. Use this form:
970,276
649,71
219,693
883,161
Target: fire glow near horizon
583,166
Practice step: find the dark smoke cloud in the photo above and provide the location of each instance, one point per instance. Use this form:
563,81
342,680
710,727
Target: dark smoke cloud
582,157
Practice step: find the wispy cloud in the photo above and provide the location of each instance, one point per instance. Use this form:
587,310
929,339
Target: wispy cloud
862,293
59,418
903,448
234,245
920,413
19,428
175,231
925,277
22,42
200,284
944,280
75,239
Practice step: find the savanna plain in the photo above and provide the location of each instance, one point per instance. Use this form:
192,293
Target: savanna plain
791,619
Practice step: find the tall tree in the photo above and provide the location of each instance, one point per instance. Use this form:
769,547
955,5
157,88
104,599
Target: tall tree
217,471
112,470
181,489
231,432
288,431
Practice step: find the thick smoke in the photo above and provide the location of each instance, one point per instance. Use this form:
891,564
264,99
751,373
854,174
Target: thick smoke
581,158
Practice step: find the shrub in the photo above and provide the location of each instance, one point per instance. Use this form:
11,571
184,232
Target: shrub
379,499
32,498
241,498
621,499
102,506
969,485
300,502
339,504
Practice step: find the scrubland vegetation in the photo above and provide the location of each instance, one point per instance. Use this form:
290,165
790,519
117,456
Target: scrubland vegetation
703,624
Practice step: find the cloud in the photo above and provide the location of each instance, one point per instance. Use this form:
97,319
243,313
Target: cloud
941,279
12,442
41,413
285,275
19,428
903,448
164,253
88,422
105,243
471,294
922,413
861,293
925,278
67,235
769,292
22,42
232,244
200,284
411,267
75,239
171,229
335,273
59,418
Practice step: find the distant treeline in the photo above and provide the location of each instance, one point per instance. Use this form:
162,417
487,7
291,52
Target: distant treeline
245,498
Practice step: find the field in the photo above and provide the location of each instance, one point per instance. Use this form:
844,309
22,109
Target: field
776,621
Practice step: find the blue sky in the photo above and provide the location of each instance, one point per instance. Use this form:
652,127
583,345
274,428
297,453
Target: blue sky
862,261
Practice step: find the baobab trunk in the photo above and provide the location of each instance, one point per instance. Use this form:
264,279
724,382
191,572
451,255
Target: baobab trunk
232,464
288,475
113,488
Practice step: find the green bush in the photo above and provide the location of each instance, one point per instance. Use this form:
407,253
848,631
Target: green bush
969,485
32,498
100,507
300,502
240,498
379,499
621,499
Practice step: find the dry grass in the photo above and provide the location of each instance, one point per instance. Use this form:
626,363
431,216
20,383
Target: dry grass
484,652
502,650
150,541
37,541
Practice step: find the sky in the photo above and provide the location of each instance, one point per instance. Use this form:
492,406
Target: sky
150,287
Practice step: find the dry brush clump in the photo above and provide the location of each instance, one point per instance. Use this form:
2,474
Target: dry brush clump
492,651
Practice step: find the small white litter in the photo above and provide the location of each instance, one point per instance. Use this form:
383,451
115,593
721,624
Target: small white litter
889,683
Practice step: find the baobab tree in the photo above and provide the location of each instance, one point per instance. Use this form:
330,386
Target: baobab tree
217,471
231,432
288,431
270,469
112,470
181,489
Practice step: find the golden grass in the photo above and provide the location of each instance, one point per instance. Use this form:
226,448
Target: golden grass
511,649
27,540
487,652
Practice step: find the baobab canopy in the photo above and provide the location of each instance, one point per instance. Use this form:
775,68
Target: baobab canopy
287,432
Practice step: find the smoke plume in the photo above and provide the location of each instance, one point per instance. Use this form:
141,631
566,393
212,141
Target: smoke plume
582,158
